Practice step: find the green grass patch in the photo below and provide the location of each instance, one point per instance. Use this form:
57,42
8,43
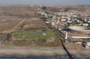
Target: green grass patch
30,31
47,36
16,35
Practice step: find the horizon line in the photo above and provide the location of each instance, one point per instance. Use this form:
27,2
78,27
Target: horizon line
46,4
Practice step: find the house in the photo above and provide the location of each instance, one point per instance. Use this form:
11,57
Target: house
63,20
74,15
88,45
73,23
50,15
42,13
47,22
69,18
88,21
64,16
57,13
58,17
85,20
54,17
82,14
85,24
81,22
52,23
78,21
69,21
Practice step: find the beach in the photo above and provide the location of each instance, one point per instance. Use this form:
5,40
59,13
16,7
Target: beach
40,51
33,51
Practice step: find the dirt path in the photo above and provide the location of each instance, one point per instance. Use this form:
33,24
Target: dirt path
18,24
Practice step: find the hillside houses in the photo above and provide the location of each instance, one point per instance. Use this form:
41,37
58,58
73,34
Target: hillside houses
64,18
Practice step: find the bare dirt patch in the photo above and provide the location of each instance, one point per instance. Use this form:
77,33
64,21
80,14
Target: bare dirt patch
8,24
33,23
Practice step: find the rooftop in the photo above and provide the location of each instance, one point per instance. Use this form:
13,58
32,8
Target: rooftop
80,28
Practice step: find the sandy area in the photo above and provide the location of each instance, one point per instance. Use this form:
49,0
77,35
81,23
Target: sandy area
34,51
38,51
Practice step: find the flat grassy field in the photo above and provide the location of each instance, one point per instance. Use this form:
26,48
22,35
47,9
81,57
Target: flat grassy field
47,36
31,31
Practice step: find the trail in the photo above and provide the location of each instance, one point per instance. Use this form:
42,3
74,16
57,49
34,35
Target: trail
18,24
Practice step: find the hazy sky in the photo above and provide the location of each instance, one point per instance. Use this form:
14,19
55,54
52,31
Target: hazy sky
47,2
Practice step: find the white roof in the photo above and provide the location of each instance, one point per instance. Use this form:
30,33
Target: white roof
79,28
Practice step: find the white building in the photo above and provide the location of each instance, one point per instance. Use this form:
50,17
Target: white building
85,20
74,15
52,23
85,24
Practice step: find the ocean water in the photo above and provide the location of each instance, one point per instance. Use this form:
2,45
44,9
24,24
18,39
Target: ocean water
43,57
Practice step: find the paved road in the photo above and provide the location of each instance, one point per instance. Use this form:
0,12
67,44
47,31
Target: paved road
34,33
18,24
2,37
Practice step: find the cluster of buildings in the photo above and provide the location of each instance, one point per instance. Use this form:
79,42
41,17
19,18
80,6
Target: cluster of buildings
66,19
72,18
59,18
75,22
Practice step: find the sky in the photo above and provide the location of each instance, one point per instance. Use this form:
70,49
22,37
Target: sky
46,2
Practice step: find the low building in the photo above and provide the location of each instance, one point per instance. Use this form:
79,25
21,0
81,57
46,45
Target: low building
52,23
74,15
88,21
78,21
79,29
47,22
50,15
58,17
63,20
88,45
64,16
85,24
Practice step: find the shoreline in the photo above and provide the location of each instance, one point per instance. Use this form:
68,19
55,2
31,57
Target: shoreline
33,52
39,51
11,50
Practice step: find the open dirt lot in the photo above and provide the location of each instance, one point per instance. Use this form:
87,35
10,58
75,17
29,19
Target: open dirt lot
33,23
7,23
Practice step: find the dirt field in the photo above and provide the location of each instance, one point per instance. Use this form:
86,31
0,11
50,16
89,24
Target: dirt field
33,23
74,46
7,23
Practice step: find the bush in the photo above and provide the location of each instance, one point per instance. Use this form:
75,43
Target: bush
43,40
49,44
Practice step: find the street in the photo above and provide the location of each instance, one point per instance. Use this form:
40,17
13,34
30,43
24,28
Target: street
2,37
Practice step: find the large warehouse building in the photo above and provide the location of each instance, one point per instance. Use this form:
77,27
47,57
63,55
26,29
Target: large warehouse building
79,29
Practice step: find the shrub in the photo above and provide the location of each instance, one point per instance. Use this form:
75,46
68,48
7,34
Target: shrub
43,40
49,44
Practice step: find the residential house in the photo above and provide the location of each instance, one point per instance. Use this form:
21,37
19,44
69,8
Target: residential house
64,16
63,20
74,15
85,24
